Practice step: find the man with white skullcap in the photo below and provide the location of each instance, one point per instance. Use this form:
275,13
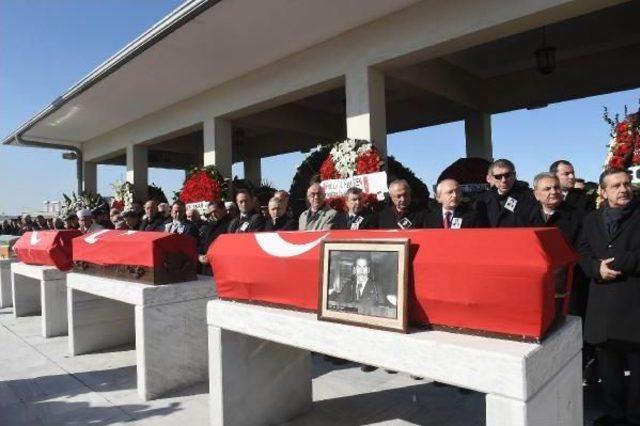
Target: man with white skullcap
87,225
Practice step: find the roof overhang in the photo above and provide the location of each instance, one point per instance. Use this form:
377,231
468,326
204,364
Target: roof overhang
200,45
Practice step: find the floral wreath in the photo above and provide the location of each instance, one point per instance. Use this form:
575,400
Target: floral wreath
624,147
348,158
124,195
202,184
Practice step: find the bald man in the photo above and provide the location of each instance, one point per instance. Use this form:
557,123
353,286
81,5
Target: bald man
450,214
400,213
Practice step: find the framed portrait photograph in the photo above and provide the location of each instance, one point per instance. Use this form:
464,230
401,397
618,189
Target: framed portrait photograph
364,282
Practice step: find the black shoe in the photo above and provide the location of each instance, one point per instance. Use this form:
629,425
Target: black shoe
367,368
609,421
391,371
416,377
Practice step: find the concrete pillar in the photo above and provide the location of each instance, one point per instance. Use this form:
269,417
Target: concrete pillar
90,176
366,112
477,128
253,170
138,170
217,144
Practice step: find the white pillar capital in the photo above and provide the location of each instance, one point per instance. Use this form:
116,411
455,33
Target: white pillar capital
217,139
138,170
366,110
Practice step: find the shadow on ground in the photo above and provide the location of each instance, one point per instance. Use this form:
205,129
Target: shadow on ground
73,399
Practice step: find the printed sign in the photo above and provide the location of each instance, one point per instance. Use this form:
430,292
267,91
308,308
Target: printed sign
201,206
372,183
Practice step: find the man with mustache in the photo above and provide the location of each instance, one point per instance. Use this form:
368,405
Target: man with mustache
610,256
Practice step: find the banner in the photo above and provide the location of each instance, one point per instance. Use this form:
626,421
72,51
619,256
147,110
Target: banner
201,206
372,183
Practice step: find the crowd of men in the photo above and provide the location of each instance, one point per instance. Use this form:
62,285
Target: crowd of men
606,288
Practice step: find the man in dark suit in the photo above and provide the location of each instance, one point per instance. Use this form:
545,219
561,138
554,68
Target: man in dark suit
450,214
278,219
610,256
355,217
249,219
217,225
552,210
574,197
153,220
400,213
506,204
179,224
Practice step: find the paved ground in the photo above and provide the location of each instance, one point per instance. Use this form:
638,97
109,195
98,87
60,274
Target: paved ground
40,384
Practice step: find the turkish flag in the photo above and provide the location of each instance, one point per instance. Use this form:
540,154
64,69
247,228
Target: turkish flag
494,280
117,247
52,248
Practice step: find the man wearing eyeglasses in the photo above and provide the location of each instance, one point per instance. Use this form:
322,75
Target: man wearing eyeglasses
319,216
507,204
451,214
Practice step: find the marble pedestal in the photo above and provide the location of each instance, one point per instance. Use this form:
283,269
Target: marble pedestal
167,323
40,290
6,295
260,365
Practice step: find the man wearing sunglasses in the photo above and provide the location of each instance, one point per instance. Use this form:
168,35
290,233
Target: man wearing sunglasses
506,204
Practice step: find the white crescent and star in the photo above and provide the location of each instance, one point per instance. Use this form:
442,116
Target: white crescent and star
93,238
275,245
34,238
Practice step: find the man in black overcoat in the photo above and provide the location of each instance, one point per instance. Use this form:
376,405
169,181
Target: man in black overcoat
610,256
217,225
450,214
506,204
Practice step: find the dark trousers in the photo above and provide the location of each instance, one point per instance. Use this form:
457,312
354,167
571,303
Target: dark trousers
613,359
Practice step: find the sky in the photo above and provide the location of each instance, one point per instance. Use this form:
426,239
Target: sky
46,46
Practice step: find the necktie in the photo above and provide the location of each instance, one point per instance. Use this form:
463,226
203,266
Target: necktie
359,290
447,220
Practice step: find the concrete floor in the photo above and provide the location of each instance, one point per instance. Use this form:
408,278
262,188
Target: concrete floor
40,384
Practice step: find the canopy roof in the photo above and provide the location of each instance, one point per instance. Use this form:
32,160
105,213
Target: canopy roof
201,44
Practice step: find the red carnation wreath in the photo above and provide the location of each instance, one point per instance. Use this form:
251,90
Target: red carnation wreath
202,184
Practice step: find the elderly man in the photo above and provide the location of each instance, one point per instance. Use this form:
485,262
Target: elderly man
505,204
573,196
552,210
153,220
610,256
87,225
450,214
179,224
283,196
249,220
319,216
400,213
278,220
193,215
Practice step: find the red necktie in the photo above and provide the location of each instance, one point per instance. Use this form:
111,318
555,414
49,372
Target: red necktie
447,220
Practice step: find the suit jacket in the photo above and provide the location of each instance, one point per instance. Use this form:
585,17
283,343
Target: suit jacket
186,227
324,219
210,231
359,221
468,217
255,223
566,218
577,198
613,309
156,224
495,214
283,223
388,219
